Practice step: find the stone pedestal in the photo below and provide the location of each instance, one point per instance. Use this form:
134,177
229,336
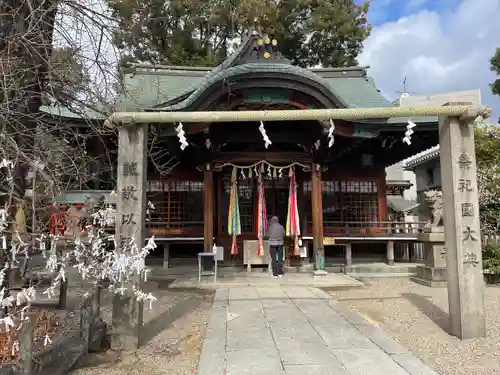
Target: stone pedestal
348,254
433,272
390,253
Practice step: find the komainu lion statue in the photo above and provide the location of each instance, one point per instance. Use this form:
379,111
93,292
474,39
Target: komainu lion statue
434,199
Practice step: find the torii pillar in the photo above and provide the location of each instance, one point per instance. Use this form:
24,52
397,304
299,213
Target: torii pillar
461,226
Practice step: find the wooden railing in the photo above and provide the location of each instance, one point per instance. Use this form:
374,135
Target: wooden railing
370,228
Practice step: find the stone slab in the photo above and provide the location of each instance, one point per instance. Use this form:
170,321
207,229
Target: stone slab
304,351
379,338
351,316
246,338
413,365
344,337
254,362
261,280
368,362
332,368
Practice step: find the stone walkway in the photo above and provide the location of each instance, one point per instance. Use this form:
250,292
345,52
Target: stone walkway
292,330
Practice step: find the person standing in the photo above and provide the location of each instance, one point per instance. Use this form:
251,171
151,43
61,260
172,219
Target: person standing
276,232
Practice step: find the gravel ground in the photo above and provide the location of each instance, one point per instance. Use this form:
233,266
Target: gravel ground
417,317
172,338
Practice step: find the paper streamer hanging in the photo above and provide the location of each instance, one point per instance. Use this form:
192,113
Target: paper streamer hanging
262,130
292,220
234,224
409,132
182,136
331,139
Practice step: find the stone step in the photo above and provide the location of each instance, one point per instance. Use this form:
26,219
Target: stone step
375,276
377,269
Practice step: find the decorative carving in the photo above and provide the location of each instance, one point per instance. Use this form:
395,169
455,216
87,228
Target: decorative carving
467,209
471,259
434,199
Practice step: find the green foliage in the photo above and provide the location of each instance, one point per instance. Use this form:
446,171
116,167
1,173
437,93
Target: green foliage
201,32
487,139
495,67
491,259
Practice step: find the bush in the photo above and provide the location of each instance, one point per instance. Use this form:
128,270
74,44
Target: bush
491,259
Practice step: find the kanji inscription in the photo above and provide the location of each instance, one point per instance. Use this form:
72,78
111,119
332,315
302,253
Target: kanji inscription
469,234
130,169
129,192
471,259
128,219
464,185
464,161
467,209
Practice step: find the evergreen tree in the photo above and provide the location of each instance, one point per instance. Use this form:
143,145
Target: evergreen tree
201,32
495,67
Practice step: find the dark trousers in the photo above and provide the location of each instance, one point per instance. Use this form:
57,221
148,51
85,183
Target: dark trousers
276,253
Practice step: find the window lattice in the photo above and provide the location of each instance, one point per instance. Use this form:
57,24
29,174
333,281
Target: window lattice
347,201
178,204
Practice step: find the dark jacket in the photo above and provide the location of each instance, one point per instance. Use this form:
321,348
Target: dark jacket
275,232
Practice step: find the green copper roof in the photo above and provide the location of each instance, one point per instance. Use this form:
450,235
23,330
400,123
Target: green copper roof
146,89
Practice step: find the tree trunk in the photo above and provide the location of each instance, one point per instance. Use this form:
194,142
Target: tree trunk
26,31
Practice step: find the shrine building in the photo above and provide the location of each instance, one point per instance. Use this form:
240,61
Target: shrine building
190,186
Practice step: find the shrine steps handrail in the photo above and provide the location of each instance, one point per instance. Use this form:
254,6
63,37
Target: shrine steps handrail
452,110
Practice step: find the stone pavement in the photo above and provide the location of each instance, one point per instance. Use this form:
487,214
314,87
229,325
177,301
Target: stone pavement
293,330
231,278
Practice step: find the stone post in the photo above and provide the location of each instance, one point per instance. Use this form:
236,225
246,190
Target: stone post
390,253
130,224
461,227
317,221
166,254
348,254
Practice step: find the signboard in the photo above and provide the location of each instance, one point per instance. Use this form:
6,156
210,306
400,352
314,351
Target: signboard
328,241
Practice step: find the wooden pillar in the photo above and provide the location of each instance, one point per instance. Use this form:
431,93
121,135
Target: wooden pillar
208,233
317,219
130,225
461,227
382,197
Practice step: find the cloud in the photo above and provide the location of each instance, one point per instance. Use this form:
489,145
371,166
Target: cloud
437,51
